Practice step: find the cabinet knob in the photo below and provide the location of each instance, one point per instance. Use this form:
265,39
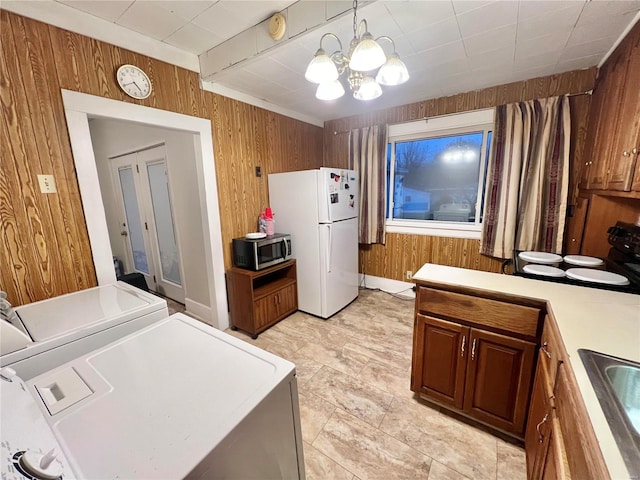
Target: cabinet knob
634,150
625,154
473,349
464,340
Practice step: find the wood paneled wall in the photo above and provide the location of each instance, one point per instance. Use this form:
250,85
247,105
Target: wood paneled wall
44,245
408,252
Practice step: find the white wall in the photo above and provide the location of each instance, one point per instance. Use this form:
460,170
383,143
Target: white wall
115,137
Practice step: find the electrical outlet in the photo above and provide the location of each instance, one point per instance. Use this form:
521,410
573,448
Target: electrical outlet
409,274
258,172
47,184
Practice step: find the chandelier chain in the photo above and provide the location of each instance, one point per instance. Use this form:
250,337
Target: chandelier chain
355,18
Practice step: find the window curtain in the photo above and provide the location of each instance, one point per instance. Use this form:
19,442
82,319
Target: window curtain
367,156
527,178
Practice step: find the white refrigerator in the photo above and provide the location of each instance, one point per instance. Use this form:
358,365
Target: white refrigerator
319,209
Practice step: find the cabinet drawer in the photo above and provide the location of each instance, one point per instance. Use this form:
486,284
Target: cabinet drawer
482,311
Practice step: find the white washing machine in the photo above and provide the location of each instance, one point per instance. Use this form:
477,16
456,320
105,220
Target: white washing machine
178,399
80,322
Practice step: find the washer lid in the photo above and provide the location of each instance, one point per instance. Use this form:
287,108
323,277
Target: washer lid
62,315
597,276
164,398
540,257
544,270
583,261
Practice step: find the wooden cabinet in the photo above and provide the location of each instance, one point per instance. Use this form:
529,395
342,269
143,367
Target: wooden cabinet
613,137
467,356
559,439
257,300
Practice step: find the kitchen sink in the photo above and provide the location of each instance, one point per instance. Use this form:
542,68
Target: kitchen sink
616,382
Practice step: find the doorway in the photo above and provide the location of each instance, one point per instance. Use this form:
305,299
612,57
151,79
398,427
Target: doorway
79,108
146,220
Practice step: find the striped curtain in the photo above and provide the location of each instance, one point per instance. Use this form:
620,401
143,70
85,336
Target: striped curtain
367,156
527,178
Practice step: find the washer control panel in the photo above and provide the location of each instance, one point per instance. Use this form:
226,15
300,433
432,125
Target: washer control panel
29,448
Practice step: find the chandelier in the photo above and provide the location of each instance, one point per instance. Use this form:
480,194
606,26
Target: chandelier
359,66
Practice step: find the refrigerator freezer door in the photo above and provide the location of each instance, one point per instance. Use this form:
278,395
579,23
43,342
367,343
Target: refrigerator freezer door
338,194
339,265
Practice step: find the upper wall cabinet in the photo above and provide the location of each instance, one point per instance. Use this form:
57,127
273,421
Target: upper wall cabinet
613,139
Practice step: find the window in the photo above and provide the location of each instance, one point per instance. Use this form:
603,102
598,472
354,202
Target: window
436,172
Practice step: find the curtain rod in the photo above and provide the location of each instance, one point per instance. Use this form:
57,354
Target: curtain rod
588,92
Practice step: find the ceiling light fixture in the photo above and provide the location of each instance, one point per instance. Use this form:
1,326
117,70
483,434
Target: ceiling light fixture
365,56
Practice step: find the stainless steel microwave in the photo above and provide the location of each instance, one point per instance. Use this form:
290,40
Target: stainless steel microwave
259,253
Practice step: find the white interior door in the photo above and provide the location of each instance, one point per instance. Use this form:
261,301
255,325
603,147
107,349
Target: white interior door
132,219
150,234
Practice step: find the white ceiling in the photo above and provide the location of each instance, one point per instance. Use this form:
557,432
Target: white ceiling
449,46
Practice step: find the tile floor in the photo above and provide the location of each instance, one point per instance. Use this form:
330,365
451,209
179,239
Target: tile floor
359,418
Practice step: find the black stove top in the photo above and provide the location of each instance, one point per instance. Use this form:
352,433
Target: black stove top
623,259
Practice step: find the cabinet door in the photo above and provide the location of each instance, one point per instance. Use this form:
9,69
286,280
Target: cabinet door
265,311
595,113
625,152
286,300
538,431
439,358
499,380
612,89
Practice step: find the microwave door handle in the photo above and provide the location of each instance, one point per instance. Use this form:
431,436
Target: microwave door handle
284,248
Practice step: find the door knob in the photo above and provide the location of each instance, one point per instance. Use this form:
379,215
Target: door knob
124,233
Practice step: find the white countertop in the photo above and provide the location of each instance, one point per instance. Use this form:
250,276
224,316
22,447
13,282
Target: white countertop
591,318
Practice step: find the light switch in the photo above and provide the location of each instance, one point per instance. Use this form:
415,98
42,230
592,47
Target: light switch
47,183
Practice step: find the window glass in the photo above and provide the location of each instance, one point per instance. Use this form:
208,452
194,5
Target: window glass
437,178
436,173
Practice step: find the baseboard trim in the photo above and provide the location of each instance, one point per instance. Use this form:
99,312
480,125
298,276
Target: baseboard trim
198,310
397,287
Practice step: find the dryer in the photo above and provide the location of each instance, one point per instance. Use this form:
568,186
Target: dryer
33,340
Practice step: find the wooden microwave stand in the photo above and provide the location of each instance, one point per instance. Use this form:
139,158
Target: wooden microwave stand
258,300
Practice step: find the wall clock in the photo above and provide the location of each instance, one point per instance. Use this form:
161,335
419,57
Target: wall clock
133,81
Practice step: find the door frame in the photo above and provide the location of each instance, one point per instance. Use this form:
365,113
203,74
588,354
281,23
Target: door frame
79,107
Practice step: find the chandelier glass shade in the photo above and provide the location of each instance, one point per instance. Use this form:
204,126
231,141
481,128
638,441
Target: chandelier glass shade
358,66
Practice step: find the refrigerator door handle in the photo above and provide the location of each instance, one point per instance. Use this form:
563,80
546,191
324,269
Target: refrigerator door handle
328,256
